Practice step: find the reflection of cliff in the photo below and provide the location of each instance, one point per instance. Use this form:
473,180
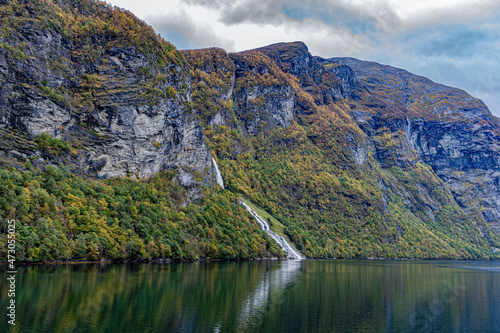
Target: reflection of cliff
268,291
258,296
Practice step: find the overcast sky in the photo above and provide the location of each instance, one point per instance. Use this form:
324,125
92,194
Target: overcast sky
454,42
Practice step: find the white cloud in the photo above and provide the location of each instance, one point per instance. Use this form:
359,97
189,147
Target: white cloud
199,34
246,24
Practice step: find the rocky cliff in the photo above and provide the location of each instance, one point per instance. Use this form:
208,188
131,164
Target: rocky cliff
102,155
447,128
101,80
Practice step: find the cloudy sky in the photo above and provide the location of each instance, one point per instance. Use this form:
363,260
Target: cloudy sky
455,42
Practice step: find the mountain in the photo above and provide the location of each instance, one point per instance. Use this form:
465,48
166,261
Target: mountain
449,130
104,82
108,134
354,158
88,93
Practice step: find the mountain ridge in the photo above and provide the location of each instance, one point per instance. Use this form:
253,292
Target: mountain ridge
352,161
385,143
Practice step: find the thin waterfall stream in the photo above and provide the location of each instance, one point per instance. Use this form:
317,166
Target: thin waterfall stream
218,176
290,252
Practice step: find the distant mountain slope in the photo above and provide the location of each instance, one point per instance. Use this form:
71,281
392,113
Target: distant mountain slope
451,131
416,95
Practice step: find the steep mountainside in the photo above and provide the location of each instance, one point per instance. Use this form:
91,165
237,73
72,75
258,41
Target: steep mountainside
343,157
90,90
350,157
101,80
449,130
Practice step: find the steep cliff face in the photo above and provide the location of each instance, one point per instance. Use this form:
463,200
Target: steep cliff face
448,129
91,99
246,91
103,81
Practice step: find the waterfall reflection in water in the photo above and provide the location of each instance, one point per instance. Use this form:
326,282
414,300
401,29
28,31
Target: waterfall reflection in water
269,291
258,296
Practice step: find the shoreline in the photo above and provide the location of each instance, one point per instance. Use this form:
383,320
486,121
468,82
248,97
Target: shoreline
171,261
127,261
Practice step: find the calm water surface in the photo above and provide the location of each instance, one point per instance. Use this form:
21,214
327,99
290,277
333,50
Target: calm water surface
258,296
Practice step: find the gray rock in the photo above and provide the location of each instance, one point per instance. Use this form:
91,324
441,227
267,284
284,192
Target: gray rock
119,109
444,127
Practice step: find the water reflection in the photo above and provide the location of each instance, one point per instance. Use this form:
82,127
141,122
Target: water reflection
258,296
267,294
482,268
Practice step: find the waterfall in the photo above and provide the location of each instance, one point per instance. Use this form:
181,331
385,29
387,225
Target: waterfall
290,252
408,132
217,174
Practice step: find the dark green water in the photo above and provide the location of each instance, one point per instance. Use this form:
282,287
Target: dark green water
259,296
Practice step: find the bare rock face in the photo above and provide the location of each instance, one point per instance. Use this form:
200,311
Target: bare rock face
445,127
123,107
249,90
264,106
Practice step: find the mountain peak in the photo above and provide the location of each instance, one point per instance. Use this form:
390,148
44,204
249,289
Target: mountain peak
292,52
297,46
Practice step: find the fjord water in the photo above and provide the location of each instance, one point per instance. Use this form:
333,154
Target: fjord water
258,296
